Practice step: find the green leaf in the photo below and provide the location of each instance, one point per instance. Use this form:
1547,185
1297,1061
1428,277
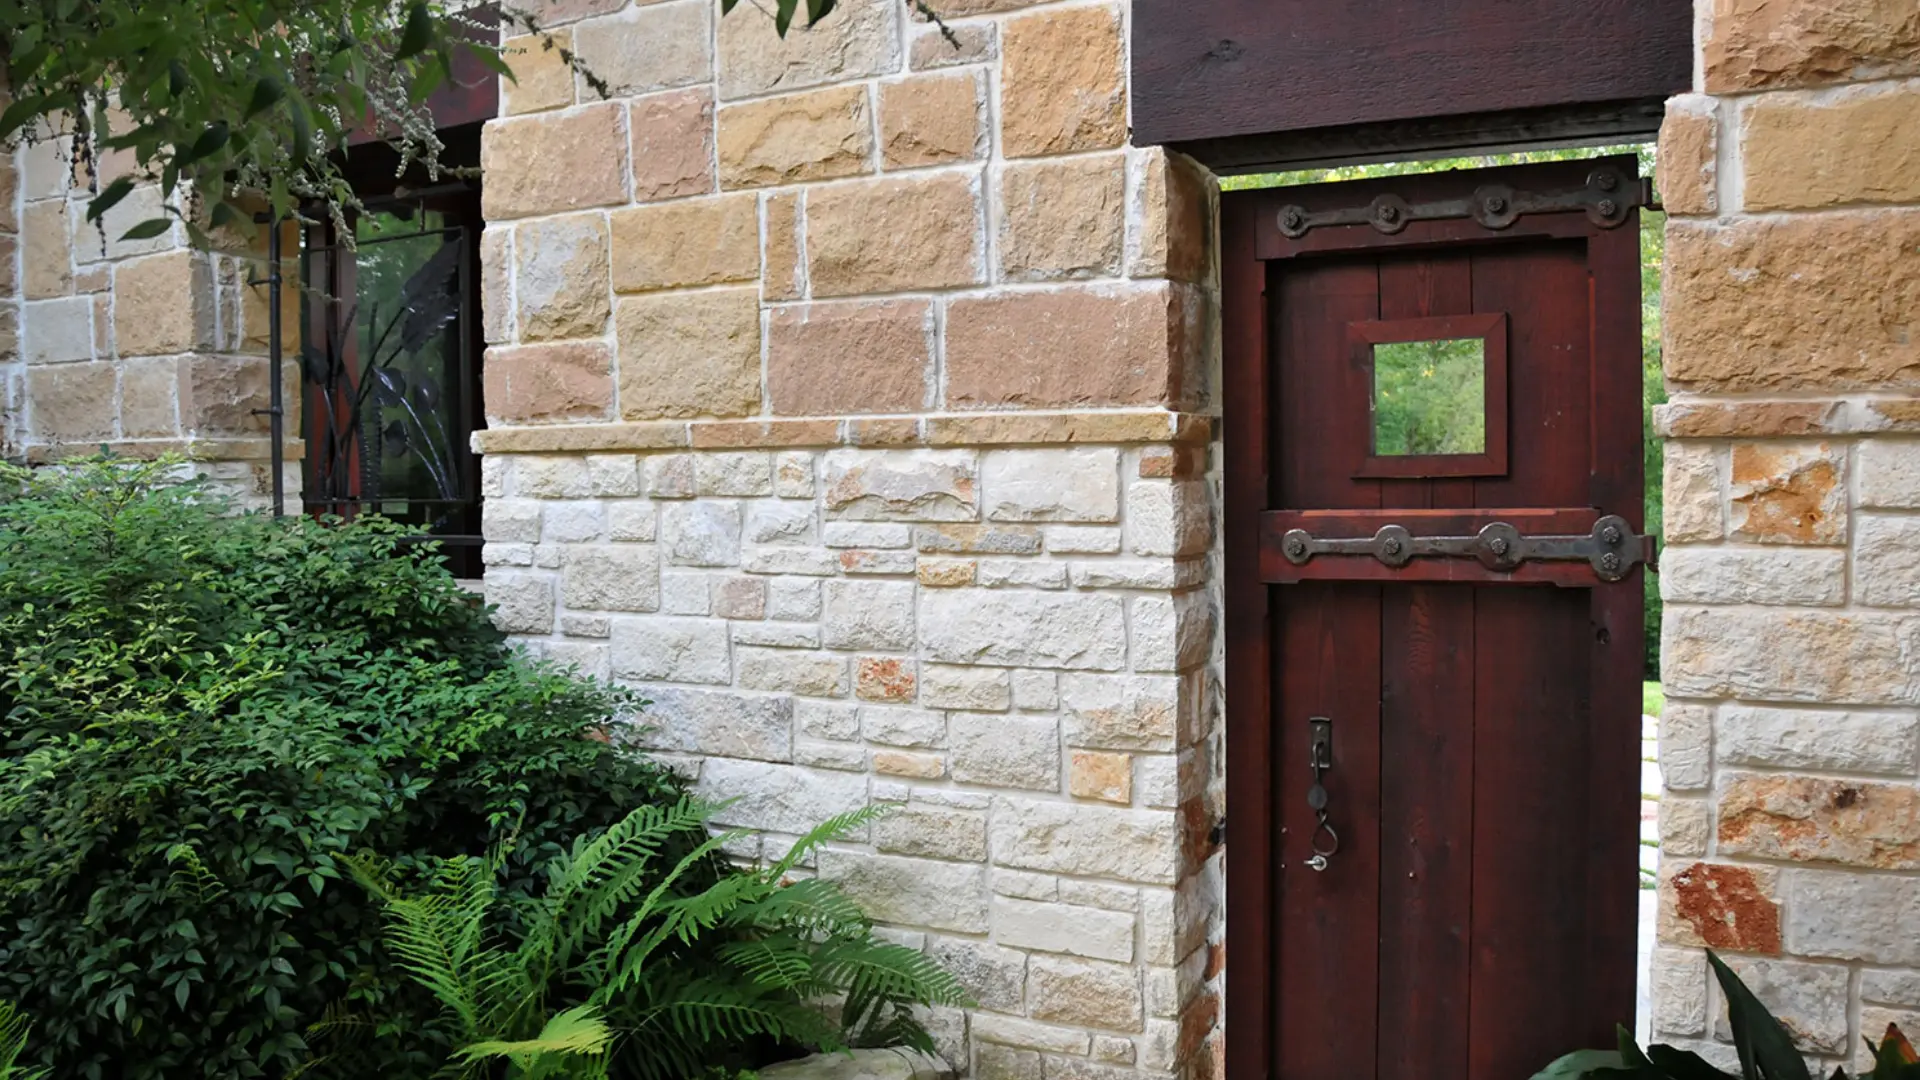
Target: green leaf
302,149
417,34
109,198
1630,1052
728,5
210,142
267,93
818,9
491,59
1766,1050
148,229
1671,1063
783,16
1579,1063
578,1030
177,78
20,112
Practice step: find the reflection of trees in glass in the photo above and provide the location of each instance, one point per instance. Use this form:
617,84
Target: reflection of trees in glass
1429,397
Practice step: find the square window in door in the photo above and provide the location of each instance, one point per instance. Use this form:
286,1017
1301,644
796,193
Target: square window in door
1436,395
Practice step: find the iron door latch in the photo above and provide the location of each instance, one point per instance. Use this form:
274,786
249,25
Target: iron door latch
1612,548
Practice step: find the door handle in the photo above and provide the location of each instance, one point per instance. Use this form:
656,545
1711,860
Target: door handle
1320,760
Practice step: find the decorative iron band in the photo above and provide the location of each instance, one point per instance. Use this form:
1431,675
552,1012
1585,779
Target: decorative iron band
1606,197
1612,548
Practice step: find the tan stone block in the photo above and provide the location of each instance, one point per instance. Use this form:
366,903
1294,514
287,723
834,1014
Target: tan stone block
72,403
496,284
885,679
577,438
689,354
860,38
535,384
225,395
1789,655
163,304
1173,215
1817,819
1756,419
149,393
816,135
850,357
672,144
555,12
968,43
56,331
1789,493
1009,349
888,431
1796,152
1114,426
647,47
560,277
715,434
102,325
1688,173
909,764
1751,44
1107,777
782,262
946,573
1062,219
895,234
1789,302
9,264
47,261
542,78
1062,83
1695,498
688,242
520,156
932,120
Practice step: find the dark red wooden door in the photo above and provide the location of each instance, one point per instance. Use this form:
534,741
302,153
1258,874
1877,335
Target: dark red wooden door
1477,918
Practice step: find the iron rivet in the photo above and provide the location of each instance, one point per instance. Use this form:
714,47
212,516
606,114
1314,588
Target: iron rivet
1290,218
1496,205
1388,214
1498,545
1610,535
1296,547
1607,207
1390,545
1606,181
1610,563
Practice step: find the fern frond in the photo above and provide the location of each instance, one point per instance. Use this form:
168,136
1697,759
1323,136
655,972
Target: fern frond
579,1031
14,1027
606,875
812,903
775,961
439,940
834,828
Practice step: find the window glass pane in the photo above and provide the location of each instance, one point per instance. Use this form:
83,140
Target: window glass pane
1429,397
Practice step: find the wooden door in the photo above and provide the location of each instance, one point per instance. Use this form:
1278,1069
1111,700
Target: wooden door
1434,354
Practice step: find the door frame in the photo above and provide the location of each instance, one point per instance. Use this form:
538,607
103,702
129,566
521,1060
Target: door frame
1250,241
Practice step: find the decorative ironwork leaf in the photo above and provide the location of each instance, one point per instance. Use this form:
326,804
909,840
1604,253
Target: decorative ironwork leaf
394,441
429,299
389,386
316,366
426,393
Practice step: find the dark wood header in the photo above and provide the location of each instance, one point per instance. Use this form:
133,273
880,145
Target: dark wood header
1245,83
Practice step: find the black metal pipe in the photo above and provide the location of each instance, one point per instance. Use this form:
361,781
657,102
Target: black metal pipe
276,406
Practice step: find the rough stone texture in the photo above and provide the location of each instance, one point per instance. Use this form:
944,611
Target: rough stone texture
1791,655
1885,570
690,242
1747,310
1024,629
971,43
1063,83
1789,493
1005,349
689,354
858,39
816,135
892,1064
549,383
517,156
1809,1000
1752,44
1815,577
1695,494
1863,148
1722,907
1052,485
72,402
1811,819
931,120
1689,156
648,47
914,892
162,304
1889,473
894,234
672,138
1062,219
1173,218
560,277
1828,739
908,485
1852,916
542,79
863,356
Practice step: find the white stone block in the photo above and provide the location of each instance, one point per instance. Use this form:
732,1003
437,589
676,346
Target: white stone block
1168,518
789,671
1847,740
632,519
1023,629
1121,712
996,977
613,577
1083,992
746,473
901,485
1071,838
1020,574
701,533
1005,751
981,689
1079,485
1834,914
57,331
867,534
1059,928
1082,540
716,722
685,593
672,650
1172,633
915,728
523,603
511,521
912,892
613,474
1808,576
935,832
867,615
574,522
783,798
779,523
1886,561
1889,473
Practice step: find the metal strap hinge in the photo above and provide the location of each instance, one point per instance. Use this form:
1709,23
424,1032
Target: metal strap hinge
1605,197
1613,548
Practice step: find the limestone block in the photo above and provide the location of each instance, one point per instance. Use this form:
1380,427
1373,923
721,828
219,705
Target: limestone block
912,892
1798,152
701,533
1686,746
1679,979
793,672
535,384
149,398
829,359
1005,751
1171,633
1809,1000
556,12
517,157
1886,571
220,395
739,597
72,403
1169,518
978,539
1873,1024
828,755
893,1063
779,798
1892,987
1062,219
619,474
922,728
648,47
1051,485
560,277
1842,740
793,475
1046,630
946,573
612,577
932,120
1747,310
827,720
1063,86
745,473
861,534
1084,993
996,977
555,477
512,521
1685,825
1746,576
542,79
1064,838
1750,44
783,258
691,242
669,476
1721,907
1173,212
1816,819
859,39
1694,494
1008,1031
902,485
1088,540
689,354
1888,473
1789,493
867,615
46,256
523,604
672,136
970,43
895,234
674,650
817,135
1121,712
1788,655
1689,155
885,679
780,523
1128,342
1035,689
794,599
1843,916
981,689
163,304
496,284
1093,774
1052,927
908,764
934,832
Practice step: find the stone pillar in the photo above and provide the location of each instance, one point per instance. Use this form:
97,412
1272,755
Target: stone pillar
849,396
144,346
1790,827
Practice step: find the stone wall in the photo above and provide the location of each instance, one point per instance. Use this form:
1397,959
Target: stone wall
145,346
849,396
1790,828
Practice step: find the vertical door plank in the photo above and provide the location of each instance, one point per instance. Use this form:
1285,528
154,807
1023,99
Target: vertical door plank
1543,288
1322,399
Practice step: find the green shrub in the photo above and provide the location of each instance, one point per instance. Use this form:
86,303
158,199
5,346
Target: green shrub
203,713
